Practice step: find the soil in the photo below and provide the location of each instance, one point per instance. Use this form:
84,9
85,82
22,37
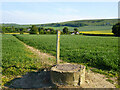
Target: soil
96,80
42,79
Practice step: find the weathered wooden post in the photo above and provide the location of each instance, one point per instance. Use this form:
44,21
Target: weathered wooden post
58,47
66,73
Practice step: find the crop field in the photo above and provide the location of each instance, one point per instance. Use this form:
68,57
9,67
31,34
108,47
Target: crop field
85,28
16,59
16,33
95,28
108,32
95,51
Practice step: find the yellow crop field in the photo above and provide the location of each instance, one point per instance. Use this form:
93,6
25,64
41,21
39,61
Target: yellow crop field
98,32
16,33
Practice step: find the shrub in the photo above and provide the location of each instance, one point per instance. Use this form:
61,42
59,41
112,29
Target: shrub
34,30
65,30
116,29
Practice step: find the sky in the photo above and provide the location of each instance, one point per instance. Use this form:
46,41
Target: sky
52,12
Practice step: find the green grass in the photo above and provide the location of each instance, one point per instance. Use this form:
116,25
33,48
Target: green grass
16,59
109,80
99,52
85,28
106,31
95,28
107,73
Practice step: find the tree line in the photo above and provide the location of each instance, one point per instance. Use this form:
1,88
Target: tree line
41,30
70,24
36,30
14,30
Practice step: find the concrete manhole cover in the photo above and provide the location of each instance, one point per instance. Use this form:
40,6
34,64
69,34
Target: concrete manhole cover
68,74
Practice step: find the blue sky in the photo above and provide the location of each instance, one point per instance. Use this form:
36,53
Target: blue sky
50,12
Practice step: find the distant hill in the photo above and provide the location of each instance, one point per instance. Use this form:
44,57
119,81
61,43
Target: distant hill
15,25
76,23
80,23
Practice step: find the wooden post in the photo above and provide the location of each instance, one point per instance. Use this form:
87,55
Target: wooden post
58,47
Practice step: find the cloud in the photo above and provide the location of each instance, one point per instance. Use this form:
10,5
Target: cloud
68,10
28,17
21,17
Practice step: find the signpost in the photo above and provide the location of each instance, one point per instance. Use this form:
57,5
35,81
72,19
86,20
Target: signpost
58,47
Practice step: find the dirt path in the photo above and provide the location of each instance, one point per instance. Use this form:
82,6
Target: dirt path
96,80
93,80
44,57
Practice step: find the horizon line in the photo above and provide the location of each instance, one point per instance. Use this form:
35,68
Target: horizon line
55,22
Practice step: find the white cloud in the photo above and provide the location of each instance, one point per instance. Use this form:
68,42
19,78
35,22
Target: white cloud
27,17
67,10
21,17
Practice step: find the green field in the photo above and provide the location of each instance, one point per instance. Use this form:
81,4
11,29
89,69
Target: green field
85,28
96,51
16,59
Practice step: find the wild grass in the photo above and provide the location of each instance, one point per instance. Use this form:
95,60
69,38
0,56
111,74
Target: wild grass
16,59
